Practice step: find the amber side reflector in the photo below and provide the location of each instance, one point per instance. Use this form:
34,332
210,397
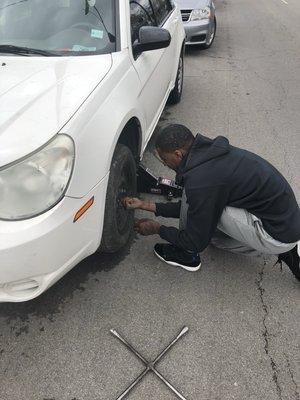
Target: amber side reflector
83,209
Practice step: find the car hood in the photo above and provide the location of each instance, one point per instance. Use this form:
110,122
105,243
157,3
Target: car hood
192,4
38,96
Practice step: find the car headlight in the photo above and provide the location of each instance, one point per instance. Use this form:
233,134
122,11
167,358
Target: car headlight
35,184
197,15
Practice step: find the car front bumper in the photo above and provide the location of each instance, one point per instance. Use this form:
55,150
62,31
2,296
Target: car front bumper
35,253
197,32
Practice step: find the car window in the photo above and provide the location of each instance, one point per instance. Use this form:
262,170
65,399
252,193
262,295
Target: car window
162,9
141,14
64,27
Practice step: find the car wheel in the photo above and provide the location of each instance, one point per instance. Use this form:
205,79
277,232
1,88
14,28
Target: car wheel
212,35
118,222
175,95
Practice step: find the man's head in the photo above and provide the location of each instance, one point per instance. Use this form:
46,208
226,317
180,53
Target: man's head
172,143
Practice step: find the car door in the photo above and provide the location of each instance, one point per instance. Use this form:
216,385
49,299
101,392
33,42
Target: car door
167,18
153,67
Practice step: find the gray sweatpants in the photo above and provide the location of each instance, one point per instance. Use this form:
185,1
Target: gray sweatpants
239,231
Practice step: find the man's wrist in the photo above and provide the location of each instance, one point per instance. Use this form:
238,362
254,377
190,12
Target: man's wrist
158,226
148,206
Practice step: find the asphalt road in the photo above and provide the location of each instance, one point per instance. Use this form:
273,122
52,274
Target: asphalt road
243,314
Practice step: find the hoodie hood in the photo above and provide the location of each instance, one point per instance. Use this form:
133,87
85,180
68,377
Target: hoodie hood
202,150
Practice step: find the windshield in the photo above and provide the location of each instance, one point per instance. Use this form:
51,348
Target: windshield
62,27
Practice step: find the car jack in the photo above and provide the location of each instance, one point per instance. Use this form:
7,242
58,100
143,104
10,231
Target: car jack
147,182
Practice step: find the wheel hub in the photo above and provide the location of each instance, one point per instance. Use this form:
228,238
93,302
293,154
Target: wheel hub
124,190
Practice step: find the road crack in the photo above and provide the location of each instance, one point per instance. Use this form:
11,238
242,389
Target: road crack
297,395
266,334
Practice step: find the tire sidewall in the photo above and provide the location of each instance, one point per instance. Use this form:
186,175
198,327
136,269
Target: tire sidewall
112,239
175,95
207,46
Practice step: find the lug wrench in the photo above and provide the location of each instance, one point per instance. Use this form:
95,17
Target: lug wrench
150,366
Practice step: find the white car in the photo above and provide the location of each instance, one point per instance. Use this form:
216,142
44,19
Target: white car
82,86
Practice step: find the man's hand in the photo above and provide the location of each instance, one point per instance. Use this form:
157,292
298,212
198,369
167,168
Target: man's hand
146,227
132,203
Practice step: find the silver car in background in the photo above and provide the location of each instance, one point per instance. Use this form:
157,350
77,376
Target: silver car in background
199,21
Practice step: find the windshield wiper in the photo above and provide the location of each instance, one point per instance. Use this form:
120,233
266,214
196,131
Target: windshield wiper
8,48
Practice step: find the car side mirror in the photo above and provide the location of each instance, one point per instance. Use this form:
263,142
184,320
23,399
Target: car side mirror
151,38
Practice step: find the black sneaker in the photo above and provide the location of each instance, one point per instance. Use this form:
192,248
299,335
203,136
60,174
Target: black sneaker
291,259
175,256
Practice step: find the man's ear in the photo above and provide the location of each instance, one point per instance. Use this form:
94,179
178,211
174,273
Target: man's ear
179,154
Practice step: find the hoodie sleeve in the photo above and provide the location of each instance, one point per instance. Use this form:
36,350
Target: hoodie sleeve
205,207
168,210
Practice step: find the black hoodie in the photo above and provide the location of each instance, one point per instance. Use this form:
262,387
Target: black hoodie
215,175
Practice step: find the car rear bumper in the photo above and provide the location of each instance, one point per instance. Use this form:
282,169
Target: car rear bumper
197,32
35,253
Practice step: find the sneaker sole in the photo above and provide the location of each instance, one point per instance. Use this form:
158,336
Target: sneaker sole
174,264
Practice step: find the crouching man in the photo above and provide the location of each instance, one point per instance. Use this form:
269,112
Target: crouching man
232,198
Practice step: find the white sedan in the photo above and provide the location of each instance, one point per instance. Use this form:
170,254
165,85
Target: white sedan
82,85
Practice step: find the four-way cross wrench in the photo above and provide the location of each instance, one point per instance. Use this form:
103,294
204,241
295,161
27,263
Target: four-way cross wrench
150,366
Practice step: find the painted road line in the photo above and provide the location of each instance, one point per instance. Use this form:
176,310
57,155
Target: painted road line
284,1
